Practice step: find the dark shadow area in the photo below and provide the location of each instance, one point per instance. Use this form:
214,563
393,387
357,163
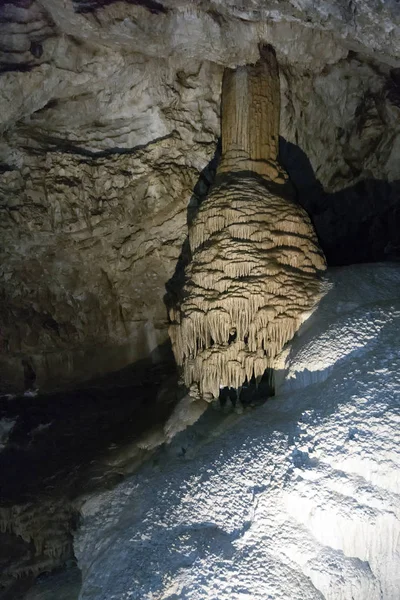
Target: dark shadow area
46,143
174,285
358,224
67,444
252,393
57,436
19,67
84,6
60,584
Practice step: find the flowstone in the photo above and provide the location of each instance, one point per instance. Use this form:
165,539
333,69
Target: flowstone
256,263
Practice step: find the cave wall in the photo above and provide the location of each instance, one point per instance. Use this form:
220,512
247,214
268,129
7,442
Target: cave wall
341,146
109,116
94,215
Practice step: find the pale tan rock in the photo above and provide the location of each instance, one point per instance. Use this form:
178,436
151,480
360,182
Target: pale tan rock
256,263
250,122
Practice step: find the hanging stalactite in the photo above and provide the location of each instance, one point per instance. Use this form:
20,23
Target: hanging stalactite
256,264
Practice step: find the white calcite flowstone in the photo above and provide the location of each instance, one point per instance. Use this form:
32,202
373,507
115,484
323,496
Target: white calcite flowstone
298,500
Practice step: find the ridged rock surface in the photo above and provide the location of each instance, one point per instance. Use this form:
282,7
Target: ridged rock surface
253,279
255,260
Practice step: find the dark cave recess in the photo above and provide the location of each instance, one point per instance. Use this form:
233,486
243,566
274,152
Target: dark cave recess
358,224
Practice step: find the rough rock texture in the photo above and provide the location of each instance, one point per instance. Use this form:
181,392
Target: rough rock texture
62,446
85,274
299,500
253,279
90,242
109,113
250,112
44,532
255,268
347,173
109,118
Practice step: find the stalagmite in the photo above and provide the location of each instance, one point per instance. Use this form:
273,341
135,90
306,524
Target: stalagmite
256,264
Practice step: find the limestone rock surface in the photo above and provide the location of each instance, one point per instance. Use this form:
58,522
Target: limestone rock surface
109,118
299,499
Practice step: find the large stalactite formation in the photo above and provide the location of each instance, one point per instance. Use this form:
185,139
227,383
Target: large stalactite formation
256,264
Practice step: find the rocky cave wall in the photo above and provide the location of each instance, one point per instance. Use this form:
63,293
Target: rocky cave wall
109,114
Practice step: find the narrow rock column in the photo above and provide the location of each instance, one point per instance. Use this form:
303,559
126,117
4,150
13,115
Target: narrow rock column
250,118
256,264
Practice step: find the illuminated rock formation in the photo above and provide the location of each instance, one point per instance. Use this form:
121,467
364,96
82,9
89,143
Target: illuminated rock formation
256,263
